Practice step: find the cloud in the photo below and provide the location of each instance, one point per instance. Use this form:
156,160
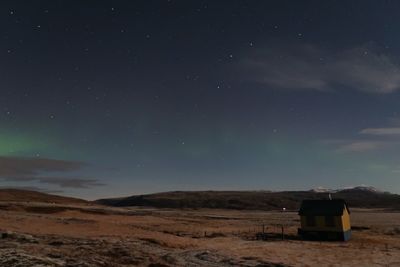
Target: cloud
381,131
361,146
369,139
32,188
18,169
309,67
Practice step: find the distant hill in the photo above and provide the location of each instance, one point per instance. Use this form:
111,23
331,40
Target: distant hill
18,195
355,188
255,200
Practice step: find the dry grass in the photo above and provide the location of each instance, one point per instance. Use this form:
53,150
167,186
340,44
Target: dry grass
138,236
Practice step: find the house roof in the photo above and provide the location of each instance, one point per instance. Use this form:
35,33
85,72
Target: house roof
323,207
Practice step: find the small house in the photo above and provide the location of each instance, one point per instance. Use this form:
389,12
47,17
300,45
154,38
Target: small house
325,220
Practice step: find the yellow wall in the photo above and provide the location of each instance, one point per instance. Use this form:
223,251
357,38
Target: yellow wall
342,223
346,220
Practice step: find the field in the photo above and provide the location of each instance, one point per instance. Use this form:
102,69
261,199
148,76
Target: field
85,234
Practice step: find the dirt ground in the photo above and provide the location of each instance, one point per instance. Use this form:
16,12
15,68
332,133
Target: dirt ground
36,234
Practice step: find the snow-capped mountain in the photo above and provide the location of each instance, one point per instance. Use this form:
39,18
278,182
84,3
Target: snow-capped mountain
321,189
364,188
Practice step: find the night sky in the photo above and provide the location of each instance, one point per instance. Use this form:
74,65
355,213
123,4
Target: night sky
113,98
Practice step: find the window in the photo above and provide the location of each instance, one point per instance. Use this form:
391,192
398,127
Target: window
329,221
310,221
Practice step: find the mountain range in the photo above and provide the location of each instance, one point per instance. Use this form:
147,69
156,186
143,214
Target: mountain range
359,196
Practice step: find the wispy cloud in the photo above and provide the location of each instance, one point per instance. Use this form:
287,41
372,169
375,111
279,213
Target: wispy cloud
309,67
17,169
32,188
381,131
361,146
369,139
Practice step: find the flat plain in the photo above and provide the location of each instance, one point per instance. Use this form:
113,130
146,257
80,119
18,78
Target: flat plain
76,234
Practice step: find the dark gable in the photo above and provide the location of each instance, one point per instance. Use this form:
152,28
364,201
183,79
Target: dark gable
332,207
